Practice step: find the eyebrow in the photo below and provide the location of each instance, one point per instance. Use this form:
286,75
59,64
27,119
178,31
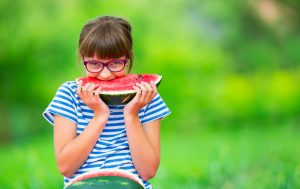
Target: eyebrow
92,59
106,62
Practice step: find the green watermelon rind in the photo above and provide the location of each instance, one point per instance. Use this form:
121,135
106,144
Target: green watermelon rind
106,182
122,98
110,177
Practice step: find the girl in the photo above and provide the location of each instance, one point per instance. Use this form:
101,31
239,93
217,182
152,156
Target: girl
88,134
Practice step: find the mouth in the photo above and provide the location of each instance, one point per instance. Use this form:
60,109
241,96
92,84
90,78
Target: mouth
109,79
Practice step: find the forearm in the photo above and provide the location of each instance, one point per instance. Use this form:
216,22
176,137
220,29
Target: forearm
75,153
145,158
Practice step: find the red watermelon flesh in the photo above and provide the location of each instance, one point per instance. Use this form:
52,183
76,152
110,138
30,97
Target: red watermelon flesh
121,85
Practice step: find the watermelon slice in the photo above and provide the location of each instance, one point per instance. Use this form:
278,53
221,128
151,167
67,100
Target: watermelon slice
106,178
120,90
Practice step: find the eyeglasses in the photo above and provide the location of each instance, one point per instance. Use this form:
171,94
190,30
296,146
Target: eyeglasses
97,66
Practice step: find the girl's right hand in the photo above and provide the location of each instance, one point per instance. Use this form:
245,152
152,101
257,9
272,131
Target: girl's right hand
89,94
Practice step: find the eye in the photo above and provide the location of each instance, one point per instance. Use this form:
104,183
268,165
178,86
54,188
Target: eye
94,64
117,63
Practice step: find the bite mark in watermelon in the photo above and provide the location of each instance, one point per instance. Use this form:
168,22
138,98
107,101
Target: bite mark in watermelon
120,90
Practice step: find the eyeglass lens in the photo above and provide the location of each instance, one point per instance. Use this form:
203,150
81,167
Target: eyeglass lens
114,66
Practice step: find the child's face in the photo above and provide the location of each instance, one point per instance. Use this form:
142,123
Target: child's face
108,65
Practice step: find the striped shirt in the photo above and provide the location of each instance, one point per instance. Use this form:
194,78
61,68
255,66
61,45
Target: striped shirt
112,148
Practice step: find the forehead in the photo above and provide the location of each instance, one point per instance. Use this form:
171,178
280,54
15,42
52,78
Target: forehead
95,57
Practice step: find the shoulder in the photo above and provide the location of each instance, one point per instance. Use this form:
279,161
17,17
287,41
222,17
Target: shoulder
67,91
156,109
68,87
64,103
157,105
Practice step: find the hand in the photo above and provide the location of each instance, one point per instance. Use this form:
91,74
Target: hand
89,94
145,92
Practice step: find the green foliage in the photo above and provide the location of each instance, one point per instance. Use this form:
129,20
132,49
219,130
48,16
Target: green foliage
226,58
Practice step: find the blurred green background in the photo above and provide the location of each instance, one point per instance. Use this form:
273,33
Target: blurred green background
231,72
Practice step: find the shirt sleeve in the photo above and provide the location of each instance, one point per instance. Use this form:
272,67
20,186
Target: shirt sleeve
156,109
62,104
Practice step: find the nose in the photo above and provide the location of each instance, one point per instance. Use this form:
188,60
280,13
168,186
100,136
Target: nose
105,74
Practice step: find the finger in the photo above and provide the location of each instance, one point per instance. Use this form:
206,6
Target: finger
85,86
153,85
149,90
90,90
97,91
96,94
79,89
84,89
79,86
142,87
138,93
143,92
147,86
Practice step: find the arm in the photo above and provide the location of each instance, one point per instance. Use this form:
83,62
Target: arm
144,143
71,151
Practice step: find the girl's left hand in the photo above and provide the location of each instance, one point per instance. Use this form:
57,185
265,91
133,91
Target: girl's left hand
145,92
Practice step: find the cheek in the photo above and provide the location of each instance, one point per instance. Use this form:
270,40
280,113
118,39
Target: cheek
88,74
120,74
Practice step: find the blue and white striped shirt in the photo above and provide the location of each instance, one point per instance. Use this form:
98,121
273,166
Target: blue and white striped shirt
112,148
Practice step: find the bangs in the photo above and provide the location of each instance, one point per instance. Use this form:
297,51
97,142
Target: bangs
105,42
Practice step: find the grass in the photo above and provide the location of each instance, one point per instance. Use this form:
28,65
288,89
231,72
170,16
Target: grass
29,164
243,157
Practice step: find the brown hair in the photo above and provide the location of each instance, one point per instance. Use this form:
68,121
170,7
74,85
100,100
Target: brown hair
106,37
